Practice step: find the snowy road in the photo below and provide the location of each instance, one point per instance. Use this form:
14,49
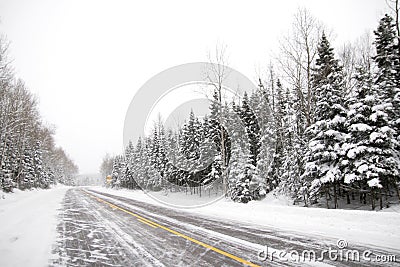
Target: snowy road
100,229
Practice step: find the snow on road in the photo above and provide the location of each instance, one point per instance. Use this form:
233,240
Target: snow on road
28,221
239,237
93,233
175,238
370,228
90,235
72,228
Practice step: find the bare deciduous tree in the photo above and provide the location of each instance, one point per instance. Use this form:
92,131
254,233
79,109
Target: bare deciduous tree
394,6
216,76
354,55
298,53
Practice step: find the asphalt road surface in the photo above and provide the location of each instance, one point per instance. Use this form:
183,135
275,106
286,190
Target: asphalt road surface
99,229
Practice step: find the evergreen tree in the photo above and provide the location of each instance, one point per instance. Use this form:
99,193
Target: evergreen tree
28,155
138,169
129,162
213,133
28,172
387,60
191,138
387,84
239,176
264,114
327,134
275,172
116,172
370,161
38,166
252,128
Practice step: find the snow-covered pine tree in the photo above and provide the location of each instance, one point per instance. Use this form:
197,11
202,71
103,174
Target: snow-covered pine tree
154,181
116,172
190,140
370,161
172,157
387,83
244,182
38,166
122,176
28,156
162,155
276,171
6,171
138,169
213,133
240,160
130,182
359,124
252,128
297,157
387,59
27,173
291,167
327,134
264,114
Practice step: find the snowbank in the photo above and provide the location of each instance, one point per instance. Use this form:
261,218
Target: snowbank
371,228
28,221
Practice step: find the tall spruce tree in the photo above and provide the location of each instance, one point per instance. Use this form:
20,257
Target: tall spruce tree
275,173
387,108
327,134
252,128
369,159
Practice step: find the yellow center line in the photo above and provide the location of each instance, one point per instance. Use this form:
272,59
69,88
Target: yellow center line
154,224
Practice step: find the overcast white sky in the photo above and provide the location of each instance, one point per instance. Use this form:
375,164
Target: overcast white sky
85,59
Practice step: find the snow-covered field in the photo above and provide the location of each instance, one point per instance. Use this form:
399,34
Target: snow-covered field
371,228
28,221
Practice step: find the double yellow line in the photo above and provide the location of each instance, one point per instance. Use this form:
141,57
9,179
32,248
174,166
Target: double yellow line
155,225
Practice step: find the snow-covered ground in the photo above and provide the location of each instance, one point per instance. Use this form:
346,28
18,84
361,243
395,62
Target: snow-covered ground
371,228
28,221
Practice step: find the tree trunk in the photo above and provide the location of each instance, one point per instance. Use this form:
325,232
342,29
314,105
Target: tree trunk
326,197
397,190
335,195
348,197
372,199
387,192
